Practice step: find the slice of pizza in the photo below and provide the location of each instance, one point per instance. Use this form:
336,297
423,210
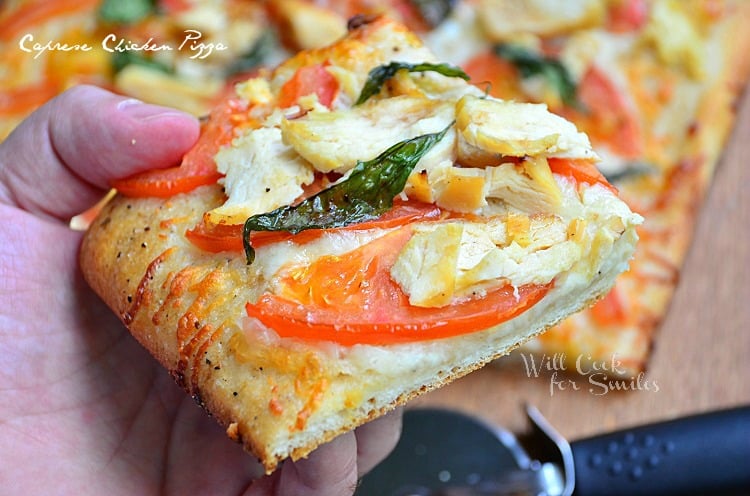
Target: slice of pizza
354,228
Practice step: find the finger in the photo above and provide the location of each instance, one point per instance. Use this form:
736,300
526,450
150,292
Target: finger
331,470
60,159
376,439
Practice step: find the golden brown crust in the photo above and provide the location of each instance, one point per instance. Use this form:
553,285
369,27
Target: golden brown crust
177,305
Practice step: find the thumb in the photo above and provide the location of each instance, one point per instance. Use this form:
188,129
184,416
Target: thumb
62,157
330,470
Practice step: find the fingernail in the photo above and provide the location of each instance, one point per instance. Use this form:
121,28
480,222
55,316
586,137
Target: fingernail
146,112
128,102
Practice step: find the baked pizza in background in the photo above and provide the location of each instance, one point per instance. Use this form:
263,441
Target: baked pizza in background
174,52
653,83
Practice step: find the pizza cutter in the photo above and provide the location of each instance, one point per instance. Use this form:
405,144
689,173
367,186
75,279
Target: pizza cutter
448,453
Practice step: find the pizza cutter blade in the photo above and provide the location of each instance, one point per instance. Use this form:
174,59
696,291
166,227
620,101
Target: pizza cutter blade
443,452
447,453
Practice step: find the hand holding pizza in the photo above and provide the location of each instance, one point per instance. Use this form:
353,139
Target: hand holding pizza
83,407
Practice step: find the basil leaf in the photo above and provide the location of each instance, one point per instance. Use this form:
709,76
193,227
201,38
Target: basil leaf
366,194
125,11
382,73
434,11
120,60
531,64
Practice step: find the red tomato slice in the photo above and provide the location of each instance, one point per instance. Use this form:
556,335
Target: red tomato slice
627,15
197,167
499,76
608,118
216,239
220,237
164,183
308,80
610,310
582,171
351,299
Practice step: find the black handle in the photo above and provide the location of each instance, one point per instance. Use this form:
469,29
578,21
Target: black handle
701,454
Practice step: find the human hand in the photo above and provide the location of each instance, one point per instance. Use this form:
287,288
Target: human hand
83,408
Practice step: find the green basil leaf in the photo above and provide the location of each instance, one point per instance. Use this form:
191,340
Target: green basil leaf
531,64
382,73
365,195
126,11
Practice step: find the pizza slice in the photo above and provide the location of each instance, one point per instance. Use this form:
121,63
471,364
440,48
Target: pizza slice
354,228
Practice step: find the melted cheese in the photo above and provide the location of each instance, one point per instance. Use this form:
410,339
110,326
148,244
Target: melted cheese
254,91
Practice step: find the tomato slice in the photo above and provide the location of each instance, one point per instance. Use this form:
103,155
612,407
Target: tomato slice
308,80
223,237
608,118
500,77
610,310
582,171
165,183
198,167
627,15
351,299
